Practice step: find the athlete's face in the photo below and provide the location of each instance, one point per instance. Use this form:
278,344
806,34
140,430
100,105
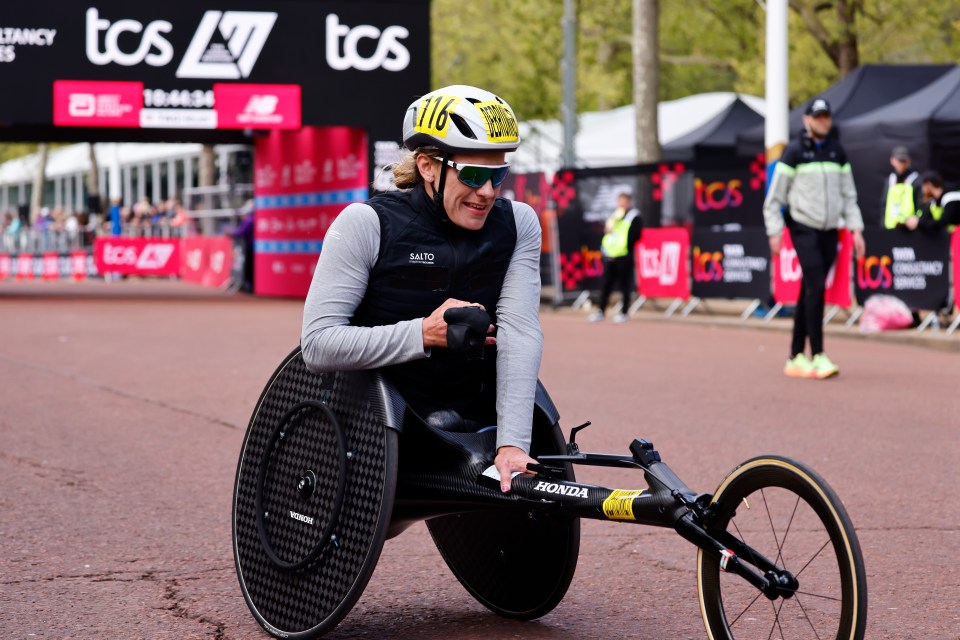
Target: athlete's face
466,206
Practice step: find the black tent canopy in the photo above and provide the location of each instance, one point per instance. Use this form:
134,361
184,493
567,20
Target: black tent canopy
926,121
866,88
717,136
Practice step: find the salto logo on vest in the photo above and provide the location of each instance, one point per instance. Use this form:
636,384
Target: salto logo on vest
390,53
245,33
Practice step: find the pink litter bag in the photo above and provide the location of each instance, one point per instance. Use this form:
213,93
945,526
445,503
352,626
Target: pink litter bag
884,313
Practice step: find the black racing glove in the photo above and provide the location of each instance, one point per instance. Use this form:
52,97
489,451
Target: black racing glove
466,329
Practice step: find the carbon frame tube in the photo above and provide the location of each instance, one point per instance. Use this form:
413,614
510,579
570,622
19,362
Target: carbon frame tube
667,502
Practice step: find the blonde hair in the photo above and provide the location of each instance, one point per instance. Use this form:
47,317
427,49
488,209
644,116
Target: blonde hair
406,175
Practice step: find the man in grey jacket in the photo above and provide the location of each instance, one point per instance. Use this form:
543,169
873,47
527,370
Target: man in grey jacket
812,193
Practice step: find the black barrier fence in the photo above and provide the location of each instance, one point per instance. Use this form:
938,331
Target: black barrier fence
574,204
729,253
703,194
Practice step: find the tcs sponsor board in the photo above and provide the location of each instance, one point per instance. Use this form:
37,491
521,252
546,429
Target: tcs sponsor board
302,180
661,257
196,64
731,264
913,267
137,256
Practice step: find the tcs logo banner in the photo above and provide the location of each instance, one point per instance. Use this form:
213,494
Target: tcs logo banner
227,44
137,256
707,265
712,196
873,272
662,270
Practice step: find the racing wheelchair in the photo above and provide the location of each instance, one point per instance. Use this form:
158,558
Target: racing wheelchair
332,465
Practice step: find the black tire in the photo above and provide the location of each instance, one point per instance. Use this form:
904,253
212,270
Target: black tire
487,550
786,512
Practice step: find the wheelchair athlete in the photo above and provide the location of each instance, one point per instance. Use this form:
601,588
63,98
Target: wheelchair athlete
392,266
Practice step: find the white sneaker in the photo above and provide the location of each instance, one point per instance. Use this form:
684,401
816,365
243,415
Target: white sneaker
620,317
596,316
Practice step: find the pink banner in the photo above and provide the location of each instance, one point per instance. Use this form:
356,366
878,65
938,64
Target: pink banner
787,273
51,265
662,259
78,265
137,256
97,104
25,266
257,106
303,179
207,260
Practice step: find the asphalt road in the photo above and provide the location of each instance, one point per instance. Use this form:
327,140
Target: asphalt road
123,408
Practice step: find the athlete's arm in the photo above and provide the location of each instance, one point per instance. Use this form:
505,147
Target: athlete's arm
519,337
329,343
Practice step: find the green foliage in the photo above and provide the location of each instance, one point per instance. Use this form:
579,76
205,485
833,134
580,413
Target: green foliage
11,150
515,48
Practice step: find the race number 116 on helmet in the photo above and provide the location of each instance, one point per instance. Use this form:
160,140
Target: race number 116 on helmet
461,119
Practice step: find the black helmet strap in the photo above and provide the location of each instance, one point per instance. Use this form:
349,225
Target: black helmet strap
438,194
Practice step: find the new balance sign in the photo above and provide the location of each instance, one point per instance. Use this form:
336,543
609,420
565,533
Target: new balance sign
257,106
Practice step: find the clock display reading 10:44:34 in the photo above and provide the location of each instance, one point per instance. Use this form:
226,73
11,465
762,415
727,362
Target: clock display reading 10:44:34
183,98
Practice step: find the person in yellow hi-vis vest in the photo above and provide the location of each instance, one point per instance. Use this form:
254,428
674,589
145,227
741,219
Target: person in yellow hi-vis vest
901,192
621,232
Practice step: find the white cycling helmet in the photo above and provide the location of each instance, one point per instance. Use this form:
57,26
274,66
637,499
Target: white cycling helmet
461,118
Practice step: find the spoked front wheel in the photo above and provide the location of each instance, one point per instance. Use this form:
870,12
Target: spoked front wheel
787,515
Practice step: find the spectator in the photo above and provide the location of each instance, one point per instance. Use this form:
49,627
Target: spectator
812,191
621,232
243,237
11,232
71,228
941,210
901,193
116,217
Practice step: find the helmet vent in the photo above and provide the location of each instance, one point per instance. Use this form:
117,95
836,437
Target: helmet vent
462,126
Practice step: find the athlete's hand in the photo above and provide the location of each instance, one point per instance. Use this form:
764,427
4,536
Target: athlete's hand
435,327
776,242
510,459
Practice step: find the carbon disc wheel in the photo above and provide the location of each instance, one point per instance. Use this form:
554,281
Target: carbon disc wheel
788,514
313,498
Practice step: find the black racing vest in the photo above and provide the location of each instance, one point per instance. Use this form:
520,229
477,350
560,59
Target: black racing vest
425,259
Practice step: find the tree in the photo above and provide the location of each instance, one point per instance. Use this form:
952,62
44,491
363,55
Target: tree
11,150
646,78
840,41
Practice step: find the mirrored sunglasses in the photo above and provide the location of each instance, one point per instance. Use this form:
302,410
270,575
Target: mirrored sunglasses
476,175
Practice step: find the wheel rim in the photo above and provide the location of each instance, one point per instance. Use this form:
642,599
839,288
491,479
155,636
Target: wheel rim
792,519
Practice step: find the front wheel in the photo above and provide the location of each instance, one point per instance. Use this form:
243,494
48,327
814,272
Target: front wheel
785,513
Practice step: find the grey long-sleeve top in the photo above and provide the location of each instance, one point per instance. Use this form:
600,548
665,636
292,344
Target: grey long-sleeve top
330,343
